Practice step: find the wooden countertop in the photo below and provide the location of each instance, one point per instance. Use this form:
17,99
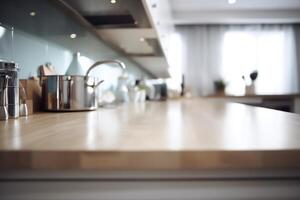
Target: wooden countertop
265,96
179,135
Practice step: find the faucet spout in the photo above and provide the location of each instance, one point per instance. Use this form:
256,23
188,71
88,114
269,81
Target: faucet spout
120,64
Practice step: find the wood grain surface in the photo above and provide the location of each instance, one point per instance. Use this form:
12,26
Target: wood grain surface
173,135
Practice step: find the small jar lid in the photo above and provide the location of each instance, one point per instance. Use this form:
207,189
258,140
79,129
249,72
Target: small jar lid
10,66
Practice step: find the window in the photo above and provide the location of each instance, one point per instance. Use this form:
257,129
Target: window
268,52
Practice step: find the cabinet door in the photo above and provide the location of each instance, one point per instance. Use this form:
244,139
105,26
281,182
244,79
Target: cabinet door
149,190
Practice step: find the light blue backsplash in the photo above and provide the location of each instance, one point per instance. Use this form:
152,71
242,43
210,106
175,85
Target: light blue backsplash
46,38
30,52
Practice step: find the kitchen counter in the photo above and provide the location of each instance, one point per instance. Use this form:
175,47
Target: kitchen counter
173,135
270,96
284,102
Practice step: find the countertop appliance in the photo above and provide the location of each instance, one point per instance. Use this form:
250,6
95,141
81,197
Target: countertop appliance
9,72
72,93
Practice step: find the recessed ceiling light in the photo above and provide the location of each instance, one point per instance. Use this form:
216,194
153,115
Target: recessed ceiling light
113,1
32,13
73,36
232,1
142,39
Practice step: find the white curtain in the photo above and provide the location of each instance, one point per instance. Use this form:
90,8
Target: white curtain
202,50
212,52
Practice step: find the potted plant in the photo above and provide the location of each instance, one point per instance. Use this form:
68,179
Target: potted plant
220,87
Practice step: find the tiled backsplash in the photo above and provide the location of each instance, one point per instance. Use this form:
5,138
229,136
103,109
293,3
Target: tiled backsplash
42,34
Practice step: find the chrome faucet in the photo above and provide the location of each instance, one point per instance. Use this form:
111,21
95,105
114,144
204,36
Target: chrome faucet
121,64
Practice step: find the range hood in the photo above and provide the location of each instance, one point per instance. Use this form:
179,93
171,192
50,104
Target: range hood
116,20
102,13
126,26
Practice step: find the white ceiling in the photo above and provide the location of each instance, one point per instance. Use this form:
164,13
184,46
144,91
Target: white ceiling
243,11
190,5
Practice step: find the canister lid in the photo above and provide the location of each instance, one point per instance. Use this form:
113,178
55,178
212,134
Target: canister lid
6,65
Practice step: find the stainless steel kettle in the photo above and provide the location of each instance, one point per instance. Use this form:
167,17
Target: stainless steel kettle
9,72
72,93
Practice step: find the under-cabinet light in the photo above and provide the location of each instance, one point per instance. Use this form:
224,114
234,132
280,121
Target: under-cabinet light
73,36
232,1
32,14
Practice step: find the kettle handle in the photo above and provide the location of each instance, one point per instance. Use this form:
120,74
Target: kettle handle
121,64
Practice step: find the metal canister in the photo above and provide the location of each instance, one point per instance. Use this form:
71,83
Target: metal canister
3,97
11,69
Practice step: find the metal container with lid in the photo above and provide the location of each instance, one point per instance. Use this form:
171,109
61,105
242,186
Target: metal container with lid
11,70
3,97
74,92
